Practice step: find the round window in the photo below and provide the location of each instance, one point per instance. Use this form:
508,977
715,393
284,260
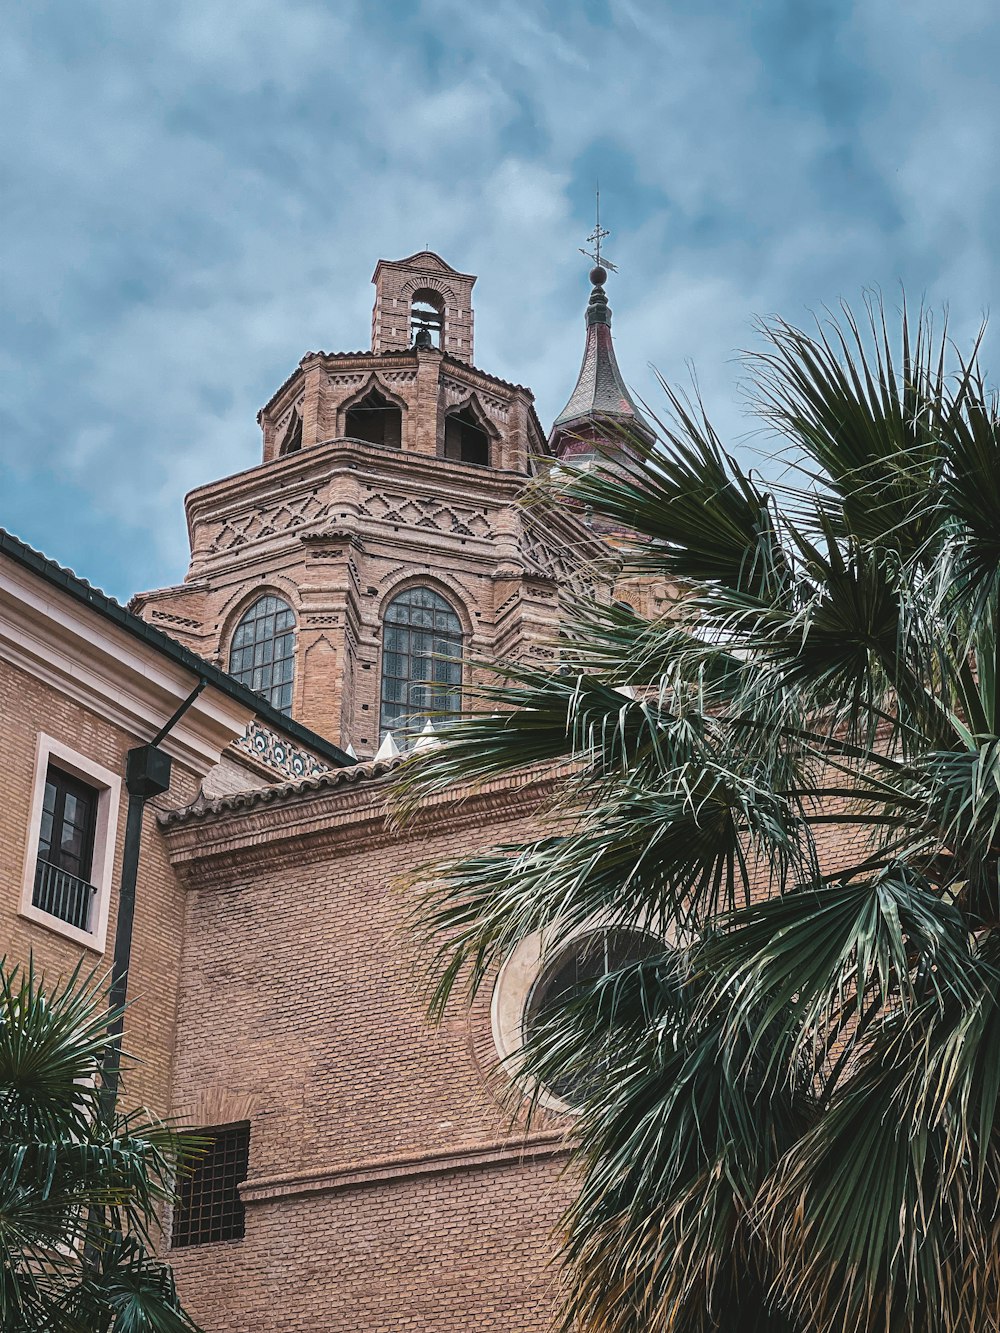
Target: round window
577,966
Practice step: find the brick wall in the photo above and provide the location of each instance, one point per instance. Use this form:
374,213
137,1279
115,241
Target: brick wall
384,1160
160,902
459,1251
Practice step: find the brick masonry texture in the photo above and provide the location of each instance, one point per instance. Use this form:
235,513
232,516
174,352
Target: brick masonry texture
302,1001
32,706
463,1251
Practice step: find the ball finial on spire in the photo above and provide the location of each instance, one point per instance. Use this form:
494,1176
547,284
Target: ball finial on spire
598,275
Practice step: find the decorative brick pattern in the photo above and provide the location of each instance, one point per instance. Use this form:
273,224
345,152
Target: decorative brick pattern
337,526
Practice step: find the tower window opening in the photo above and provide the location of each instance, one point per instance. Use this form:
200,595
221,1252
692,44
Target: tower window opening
426,318
465,441
262,654
291,442
421,660
375,420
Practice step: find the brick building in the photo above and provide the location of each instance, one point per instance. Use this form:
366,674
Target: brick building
367,1173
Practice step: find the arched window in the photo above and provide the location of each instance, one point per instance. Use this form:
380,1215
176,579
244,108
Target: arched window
375,419
421,660
291,441
465,441
262,654
427,317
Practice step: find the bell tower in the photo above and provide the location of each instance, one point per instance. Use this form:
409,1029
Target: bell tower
422,293
378,553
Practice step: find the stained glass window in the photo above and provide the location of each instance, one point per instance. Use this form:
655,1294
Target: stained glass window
263,651
421,660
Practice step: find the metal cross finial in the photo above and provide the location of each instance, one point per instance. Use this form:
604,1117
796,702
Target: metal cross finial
595,238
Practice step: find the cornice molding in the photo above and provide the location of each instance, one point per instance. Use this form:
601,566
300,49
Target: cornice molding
110,672
309,468
380,1170
323,817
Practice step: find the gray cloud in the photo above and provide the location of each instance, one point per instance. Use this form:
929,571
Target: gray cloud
197,195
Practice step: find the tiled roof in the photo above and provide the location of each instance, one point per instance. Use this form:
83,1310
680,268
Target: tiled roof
202,808
401,351
600,393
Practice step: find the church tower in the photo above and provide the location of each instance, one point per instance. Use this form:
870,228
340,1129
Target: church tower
601,421
601,414
379,549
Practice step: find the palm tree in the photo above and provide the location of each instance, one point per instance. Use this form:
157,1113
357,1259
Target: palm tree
788,1110
78,1196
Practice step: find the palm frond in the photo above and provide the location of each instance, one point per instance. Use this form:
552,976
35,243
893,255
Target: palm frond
789,1115
70,1183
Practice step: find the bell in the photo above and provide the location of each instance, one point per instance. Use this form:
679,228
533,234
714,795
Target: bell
423,338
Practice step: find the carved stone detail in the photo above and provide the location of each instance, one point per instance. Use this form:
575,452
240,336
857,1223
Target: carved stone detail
413,512
258,524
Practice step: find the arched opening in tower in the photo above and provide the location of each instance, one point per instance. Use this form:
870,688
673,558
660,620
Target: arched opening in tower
375,420
291,441
427,316
465,441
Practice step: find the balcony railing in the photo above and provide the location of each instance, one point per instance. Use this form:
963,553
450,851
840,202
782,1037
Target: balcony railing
63,895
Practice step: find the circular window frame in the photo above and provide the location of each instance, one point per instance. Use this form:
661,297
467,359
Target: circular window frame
515,984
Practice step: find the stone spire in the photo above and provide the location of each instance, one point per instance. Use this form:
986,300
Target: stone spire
600,408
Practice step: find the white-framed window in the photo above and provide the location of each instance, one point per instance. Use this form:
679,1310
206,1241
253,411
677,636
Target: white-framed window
69,859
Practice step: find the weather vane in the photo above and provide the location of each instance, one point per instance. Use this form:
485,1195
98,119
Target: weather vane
595,238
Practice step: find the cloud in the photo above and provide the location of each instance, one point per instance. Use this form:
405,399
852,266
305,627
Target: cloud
197,194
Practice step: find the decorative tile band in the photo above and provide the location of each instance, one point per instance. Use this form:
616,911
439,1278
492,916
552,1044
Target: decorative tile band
278,753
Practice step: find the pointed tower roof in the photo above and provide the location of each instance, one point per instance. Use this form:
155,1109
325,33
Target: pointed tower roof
600,398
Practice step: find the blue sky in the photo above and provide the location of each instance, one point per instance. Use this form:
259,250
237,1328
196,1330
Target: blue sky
195,194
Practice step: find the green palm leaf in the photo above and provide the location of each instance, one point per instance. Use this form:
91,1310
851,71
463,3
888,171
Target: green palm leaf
791,778
78,1197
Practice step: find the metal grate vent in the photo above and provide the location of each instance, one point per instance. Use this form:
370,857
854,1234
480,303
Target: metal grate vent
209,1206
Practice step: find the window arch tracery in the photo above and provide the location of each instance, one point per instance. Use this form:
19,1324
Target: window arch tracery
375,419
262,652
421,660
